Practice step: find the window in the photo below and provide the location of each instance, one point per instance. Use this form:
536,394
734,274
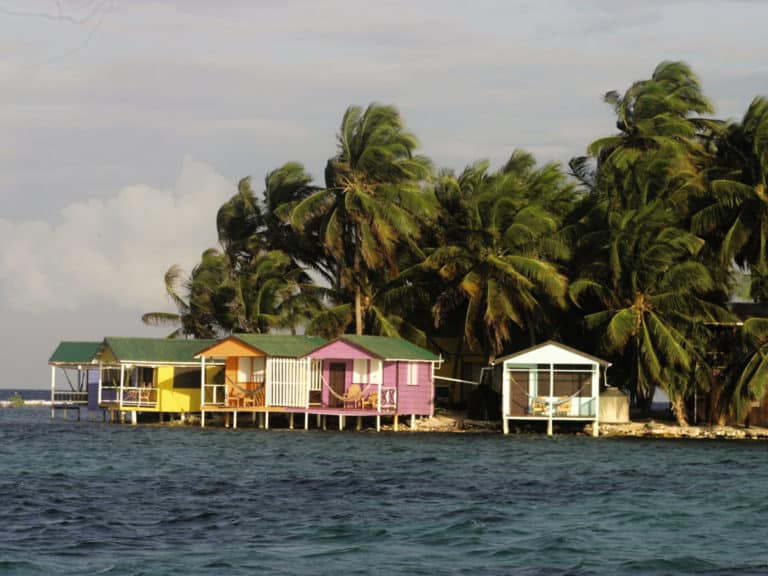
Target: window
186,377
259,366
413,374
360,371
376,372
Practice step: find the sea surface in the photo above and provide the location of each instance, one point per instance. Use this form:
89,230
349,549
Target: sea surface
94,498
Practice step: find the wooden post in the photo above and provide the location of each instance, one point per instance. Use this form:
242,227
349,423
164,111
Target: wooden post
378,423
359,423
202,385
324,422
202,419
341,422
234,420
413,421
397,422
134,418
53,394
266,420
551,403
306,420
505,425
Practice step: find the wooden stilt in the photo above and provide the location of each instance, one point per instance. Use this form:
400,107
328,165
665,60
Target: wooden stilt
359,423
319,418
306,421
505,425
341,422
290,422
378,423
226,420
202,419
134,418
324,422
413,421
266,420
549,427
234,420
397,422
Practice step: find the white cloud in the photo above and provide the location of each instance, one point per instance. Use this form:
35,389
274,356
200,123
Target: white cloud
114,249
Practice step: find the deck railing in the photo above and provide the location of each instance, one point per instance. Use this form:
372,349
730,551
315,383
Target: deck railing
109,394
140,397
388,399
214,394
70,397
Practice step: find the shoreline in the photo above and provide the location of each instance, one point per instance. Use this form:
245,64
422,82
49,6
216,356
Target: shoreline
448,422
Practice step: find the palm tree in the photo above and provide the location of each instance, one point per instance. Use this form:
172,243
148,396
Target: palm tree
645,293
737,214
655,114
747,374
373,204
496,248
198,298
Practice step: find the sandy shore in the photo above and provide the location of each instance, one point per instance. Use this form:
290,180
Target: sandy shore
456,422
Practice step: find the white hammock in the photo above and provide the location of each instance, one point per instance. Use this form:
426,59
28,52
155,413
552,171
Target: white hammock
344,398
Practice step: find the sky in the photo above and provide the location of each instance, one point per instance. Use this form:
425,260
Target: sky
125,124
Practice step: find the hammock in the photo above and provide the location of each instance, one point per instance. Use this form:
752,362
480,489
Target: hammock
239,388
363,392
554,404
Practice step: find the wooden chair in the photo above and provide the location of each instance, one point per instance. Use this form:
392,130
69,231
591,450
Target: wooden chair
353,395
563,407
371,401
539,407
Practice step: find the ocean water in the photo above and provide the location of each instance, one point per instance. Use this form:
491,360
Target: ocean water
94,498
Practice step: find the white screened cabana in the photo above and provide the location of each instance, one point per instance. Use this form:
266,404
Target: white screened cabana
550,382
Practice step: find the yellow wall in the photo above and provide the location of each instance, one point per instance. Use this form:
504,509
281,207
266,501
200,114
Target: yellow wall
170,399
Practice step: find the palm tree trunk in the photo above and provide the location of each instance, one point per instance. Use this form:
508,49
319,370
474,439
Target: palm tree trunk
678,409
358,296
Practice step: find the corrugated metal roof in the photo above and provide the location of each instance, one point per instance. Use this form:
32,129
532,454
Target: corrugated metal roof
388,348
163,350
285,345
74,353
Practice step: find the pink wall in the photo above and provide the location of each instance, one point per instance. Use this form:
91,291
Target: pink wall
415,399
339,350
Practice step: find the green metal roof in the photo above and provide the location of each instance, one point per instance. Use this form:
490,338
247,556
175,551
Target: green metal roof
285,345
74,353
165,350
388,348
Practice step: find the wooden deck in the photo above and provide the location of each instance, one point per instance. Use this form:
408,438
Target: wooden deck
321,413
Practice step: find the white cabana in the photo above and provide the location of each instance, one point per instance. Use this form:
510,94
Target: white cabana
550,382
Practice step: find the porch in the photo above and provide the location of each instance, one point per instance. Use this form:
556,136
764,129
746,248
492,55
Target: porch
550,382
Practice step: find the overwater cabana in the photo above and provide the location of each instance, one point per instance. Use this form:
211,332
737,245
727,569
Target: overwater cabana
76,362
375,376
264,373
550,382
152,376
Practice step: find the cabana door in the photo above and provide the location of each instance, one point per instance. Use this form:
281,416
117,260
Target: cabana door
336,381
